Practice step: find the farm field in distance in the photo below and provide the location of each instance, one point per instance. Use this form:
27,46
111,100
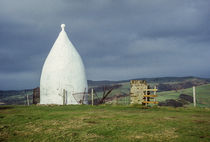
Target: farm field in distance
202,95
103,123
116,120
122,89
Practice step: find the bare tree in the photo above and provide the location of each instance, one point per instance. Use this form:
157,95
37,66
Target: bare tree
106,92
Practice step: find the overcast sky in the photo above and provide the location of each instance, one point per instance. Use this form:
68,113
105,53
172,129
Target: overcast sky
117,39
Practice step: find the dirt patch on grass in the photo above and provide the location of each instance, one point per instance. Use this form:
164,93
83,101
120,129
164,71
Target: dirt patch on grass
90,121
200,121
164,135
170,118
49,127
92,136
3,134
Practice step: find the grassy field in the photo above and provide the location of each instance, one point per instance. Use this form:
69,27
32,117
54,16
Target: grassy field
18,97
202,95
15,97
103,123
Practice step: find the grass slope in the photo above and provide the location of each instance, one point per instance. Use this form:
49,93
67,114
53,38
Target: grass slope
103,123
202,95
15,97
19,97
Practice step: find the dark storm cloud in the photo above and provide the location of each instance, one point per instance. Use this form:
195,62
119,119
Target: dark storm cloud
117,39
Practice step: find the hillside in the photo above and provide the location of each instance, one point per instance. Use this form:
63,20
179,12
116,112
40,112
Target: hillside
176,87
103,123
15,97
202,95
149,80
166,85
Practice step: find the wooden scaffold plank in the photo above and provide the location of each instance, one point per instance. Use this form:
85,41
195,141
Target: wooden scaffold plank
154,90
150,96
150,102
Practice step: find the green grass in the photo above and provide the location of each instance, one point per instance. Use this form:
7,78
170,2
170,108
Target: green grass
203,92
103,123
202,95
15,97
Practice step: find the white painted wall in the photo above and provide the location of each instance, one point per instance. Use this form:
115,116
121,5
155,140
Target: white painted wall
63,69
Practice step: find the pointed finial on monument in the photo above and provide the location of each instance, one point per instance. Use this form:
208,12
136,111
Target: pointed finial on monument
63,26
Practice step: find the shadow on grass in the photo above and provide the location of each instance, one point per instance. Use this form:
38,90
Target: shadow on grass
6,107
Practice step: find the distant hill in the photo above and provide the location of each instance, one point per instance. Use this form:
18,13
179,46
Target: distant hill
17,97
149,80
165,84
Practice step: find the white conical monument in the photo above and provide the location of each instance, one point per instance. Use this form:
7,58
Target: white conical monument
63,78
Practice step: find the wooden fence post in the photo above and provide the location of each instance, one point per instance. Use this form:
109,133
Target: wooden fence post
27,100
64,96
92,96
155,93
146,97
194,98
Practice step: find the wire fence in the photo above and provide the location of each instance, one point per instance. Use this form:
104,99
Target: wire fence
97,98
